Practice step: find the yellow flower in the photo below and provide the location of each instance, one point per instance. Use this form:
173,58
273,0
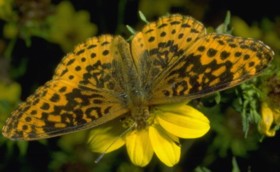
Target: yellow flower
9,98
10,91
270,118
66,33
6,10
270,108
241,28
166,124
10,30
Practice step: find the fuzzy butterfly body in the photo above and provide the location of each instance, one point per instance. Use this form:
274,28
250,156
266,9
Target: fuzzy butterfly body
169,61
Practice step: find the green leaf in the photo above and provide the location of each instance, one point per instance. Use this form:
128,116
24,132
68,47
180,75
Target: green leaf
235,167
143,17
22,146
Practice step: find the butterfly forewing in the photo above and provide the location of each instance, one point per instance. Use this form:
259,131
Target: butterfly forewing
82,94
214,62
180,61
160,44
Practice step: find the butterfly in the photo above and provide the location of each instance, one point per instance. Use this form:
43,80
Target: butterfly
170,60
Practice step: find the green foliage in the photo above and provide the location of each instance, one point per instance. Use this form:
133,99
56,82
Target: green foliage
224,27
235,167
65,33
248,105
143,17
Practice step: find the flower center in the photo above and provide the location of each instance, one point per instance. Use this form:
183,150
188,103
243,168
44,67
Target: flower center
137,120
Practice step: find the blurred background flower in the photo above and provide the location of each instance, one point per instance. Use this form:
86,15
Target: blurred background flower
270,107
69,27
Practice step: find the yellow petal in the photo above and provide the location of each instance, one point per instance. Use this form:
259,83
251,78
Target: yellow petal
139,147
166,149
182,120
106,138
266,121
276,115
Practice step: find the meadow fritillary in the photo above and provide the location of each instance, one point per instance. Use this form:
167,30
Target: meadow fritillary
170,60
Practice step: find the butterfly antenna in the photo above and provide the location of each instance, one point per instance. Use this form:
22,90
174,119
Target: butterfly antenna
106,150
